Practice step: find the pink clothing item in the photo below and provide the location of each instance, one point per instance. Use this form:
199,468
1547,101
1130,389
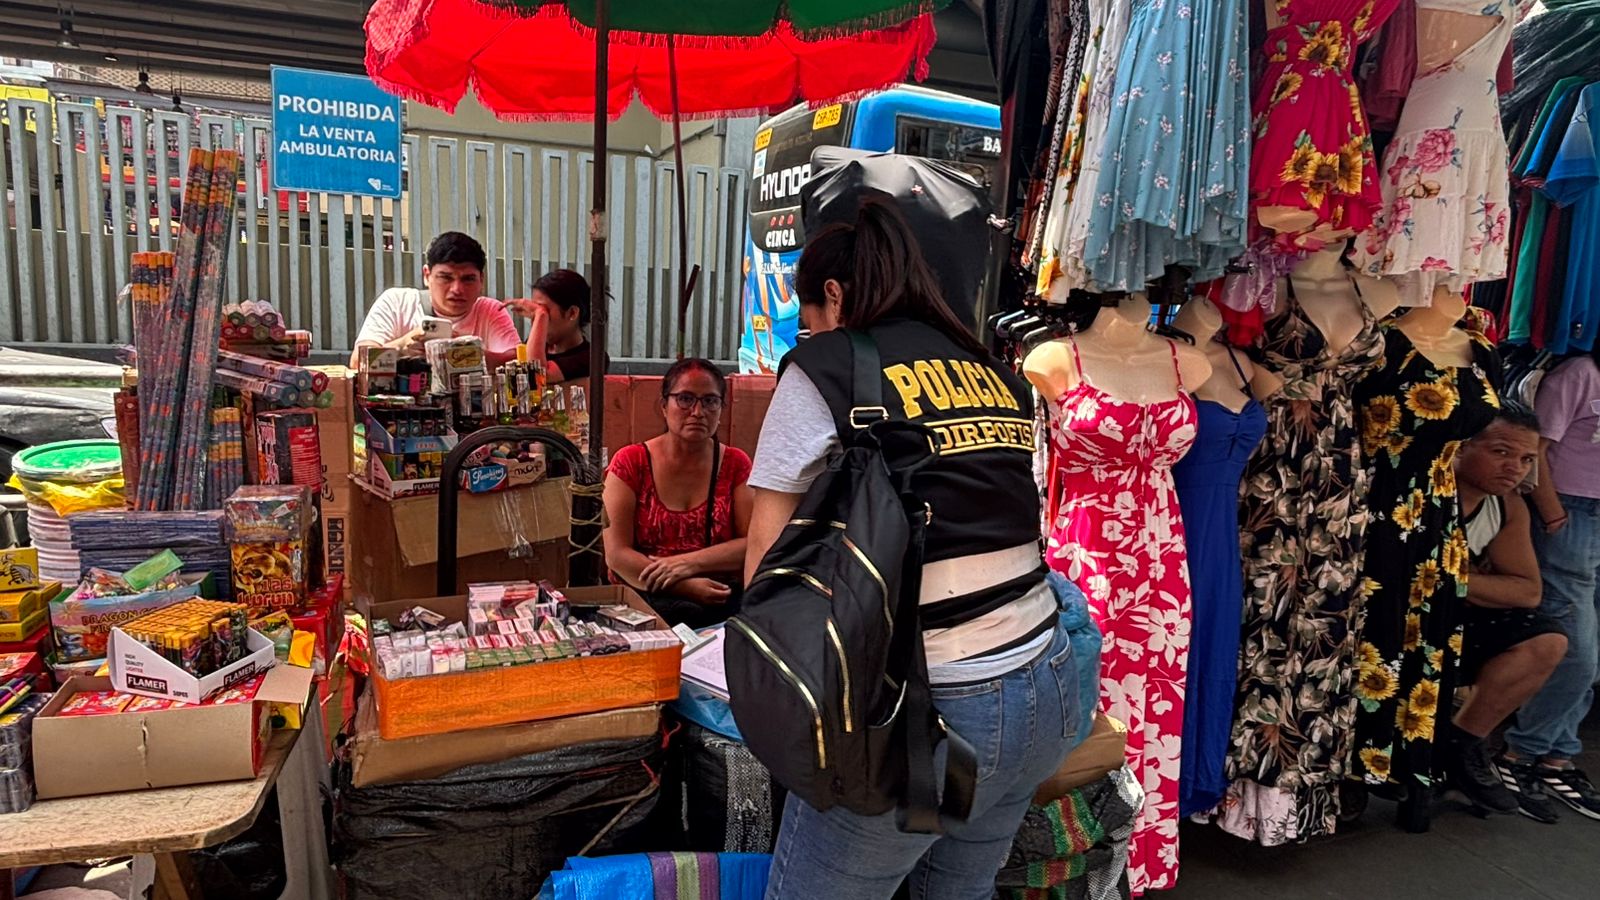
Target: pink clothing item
1387,84
1569,417
1117,532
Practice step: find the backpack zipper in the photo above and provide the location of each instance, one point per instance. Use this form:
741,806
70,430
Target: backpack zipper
788,674
808,578
844,674
883,588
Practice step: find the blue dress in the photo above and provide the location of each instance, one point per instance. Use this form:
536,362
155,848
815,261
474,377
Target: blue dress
1174,186
1208,493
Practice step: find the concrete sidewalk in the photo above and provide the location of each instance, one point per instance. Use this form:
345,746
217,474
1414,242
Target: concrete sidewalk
1463,857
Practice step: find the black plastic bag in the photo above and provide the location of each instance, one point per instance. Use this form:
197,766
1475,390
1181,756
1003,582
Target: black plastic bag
249,867
717,796
947,208
495,831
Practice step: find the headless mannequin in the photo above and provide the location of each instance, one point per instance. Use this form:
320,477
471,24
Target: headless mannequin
1444,34
1120,356
1332,296
1201,320
1432,329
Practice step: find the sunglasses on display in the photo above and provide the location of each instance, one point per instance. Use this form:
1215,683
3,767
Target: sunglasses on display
709,402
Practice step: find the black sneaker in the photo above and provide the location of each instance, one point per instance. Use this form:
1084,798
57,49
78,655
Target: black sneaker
1471,773
1571,787
1533,800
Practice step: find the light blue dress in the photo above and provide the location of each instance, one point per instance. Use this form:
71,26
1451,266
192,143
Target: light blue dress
1174,181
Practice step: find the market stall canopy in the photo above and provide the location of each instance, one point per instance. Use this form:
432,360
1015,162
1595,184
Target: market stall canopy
540,66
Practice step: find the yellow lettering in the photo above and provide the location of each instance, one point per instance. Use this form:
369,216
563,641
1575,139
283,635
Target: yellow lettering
976,384
991,432
937,390
1001,392
958,398
906,384
971,433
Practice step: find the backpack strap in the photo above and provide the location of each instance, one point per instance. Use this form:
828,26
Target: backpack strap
866,382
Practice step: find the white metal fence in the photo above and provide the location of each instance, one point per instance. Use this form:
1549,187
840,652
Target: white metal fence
87,185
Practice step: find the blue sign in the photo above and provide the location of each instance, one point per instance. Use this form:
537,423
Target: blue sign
334,133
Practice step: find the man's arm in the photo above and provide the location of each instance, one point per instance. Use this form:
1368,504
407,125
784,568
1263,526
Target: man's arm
500,338
1512,579
381,327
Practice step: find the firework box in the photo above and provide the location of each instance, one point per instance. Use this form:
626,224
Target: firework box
140,669
288,447
270,574
19,569
20,606
183,744
484,698
83,627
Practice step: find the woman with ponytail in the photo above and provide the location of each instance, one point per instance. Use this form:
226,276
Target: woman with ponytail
999,662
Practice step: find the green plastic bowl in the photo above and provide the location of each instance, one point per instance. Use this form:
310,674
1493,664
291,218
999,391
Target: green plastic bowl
69,462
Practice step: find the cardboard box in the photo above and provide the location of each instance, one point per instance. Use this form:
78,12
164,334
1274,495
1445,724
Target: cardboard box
38,641
19,568
749,397
618,394
375,760
138,669
11,632
378,438
336,423
483,698
398,545
18,606
134,751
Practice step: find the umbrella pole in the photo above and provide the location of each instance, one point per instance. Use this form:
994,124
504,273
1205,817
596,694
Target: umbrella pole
686,278
599,316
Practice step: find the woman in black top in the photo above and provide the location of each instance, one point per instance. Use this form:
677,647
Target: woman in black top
559,308
999,662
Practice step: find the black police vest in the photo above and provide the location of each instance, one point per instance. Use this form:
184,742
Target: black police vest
981,489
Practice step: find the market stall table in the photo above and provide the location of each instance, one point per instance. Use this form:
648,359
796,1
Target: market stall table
168,822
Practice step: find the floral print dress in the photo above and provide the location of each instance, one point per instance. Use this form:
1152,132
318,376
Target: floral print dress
1313,149
1446,188
1118,534
1303,535
1414,415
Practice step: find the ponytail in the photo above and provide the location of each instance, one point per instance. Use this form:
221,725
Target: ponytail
880,264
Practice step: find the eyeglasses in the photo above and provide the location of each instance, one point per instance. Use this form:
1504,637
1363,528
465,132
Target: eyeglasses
709,402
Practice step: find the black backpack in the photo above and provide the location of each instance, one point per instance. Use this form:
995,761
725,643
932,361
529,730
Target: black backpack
825,661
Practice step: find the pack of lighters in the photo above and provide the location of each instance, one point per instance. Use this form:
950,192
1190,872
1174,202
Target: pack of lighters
198,636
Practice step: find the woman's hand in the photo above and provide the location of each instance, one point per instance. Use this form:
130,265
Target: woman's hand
705,591
663,573
523,306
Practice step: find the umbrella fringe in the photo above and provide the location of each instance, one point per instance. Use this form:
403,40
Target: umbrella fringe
905,15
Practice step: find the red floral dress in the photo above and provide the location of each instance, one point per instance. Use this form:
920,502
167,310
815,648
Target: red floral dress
659,530
1313,149
1117,532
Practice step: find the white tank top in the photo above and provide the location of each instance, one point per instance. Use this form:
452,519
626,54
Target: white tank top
1484,524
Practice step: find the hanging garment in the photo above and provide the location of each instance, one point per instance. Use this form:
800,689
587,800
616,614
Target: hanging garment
1446,195
1313,151
1304,513
1176,189
1207,480
1118,534
1574,174
1069,220
1414,415
1528,280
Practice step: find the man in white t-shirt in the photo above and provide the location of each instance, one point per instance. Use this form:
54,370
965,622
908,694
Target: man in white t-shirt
453,274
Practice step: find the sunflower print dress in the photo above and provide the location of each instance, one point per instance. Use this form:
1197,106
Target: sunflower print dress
1303,514
1414,416
1312,163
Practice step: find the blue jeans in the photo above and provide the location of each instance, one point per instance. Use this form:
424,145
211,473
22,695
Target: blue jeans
1569,565
1021,726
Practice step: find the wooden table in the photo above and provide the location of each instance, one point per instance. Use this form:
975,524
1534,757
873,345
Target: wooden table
166,822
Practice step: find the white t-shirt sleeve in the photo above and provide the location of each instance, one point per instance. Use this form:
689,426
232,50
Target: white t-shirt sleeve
493,324
798,437
388,318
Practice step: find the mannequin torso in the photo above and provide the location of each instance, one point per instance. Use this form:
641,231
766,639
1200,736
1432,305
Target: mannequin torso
1119,356
1444,34
1230,372
1333,296
1432,329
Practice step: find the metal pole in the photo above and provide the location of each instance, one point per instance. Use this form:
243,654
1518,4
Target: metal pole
686,279
599,316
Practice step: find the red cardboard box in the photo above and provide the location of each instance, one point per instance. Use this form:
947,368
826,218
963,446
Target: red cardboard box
749,398
29,665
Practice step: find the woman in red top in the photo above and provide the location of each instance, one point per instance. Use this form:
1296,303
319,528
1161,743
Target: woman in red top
657,497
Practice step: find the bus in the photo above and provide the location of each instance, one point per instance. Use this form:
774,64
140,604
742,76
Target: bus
910,120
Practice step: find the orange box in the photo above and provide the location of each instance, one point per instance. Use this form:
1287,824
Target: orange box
748,400
436,704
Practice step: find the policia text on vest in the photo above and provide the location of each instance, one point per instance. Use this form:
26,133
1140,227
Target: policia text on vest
950,384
